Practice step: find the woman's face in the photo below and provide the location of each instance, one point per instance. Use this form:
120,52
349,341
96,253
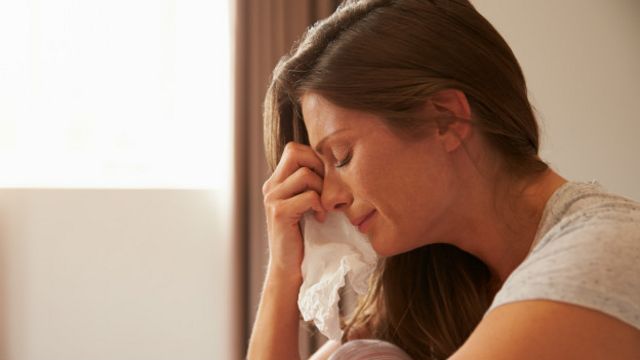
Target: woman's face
402,189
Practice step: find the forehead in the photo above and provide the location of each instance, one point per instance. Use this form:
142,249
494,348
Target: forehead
322,118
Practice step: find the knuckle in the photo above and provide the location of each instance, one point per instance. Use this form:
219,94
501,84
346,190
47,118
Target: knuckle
266,186
287,157
283,158
305,172
290,144
268,199
312,195
290,147
277,211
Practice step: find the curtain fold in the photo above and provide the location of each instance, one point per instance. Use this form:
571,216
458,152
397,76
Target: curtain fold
264,31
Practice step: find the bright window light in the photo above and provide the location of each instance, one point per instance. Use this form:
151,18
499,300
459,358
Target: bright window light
115,94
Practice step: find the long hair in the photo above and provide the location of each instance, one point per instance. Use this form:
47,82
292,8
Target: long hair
386,57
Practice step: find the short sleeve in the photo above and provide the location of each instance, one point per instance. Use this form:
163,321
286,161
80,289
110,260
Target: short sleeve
369,349
595,265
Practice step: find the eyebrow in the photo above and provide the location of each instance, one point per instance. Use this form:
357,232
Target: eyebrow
319,145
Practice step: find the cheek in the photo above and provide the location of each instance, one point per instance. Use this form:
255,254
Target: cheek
410,194
412,206
366,180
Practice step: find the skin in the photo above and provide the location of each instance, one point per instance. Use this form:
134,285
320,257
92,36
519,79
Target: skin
448,187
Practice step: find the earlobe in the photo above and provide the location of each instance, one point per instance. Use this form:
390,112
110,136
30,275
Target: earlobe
456,133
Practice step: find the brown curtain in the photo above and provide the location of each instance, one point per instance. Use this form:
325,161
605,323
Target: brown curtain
264,31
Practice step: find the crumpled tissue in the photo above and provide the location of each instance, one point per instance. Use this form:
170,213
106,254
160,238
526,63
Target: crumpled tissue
333,250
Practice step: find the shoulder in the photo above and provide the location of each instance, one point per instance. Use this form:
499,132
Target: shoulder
594,266
576,294
583,222
588,253
590,235
579,206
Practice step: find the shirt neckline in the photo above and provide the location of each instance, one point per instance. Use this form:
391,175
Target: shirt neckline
556,206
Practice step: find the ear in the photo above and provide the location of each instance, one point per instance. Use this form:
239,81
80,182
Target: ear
450,103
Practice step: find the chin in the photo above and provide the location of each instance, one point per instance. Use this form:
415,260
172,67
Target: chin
390,248
384,249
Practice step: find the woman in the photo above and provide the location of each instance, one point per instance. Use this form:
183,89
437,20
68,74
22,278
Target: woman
412,118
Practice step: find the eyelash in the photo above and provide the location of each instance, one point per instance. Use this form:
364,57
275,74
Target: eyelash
344,161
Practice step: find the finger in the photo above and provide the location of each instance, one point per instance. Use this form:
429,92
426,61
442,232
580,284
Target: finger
300,181
294,157
320,216
298,205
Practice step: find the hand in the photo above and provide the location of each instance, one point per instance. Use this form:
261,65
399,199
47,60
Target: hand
293,189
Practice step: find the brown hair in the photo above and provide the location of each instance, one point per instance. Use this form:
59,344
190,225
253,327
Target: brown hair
387,57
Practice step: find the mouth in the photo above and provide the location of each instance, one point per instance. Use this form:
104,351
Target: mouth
363,222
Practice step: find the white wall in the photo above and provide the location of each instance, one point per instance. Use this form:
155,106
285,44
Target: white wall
581,59
114,274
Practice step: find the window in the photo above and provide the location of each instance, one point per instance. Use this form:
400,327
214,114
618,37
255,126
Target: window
115,94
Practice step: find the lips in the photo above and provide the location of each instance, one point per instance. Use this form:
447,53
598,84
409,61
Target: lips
364,226
358,221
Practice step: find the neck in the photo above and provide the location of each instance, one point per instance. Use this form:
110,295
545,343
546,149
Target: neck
501,225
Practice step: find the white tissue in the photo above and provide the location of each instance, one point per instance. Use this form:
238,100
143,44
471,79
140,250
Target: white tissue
332,250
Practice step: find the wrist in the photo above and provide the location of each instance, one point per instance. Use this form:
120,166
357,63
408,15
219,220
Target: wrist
281,275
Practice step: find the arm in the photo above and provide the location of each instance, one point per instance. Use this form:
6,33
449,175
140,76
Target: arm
292,190
275,332
542,329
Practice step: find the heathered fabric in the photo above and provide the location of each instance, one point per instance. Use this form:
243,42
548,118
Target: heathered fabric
586,252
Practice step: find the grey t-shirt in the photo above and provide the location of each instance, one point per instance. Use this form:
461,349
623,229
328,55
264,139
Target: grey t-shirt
586,252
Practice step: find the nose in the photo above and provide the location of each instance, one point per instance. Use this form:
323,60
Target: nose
335,195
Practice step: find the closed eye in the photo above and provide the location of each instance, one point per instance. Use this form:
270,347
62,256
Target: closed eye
344,161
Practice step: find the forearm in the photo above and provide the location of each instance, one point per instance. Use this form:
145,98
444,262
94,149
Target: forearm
275,332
